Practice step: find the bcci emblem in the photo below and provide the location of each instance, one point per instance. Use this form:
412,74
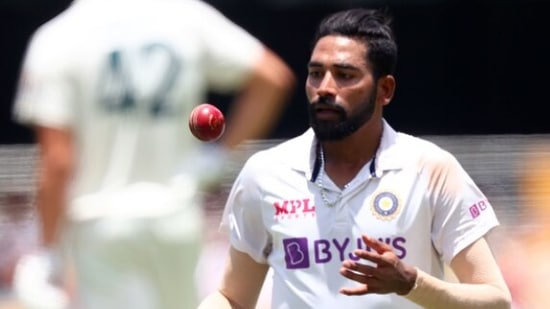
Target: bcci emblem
385,206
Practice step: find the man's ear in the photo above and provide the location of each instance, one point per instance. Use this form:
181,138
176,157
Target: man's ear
386,89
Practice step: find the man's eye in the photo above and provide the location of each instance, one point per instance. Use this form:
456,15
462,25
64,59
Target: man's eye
345,76
315,74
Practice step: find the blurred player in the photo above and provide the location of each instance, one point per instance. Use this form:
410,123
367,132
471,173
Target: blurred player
109,85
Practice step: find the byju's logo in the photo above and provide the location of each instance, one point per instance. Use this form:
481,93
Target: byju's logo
299,254
293,209
296,253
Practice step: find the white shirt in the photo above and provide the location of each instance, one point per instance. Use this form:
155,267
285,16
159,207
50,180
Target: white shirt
123,75
417,198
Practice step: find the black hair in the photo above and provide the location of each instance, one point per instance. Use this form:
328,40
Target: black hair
373,27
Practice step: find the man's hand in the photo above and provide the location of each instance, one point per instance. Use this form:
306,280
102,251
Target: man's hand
388,274
37,281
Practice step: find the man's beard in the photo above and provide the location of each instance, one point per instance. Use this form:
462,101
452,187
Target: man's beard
347,124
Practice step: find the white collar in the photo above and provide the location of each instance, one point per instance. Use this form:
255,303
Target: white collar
387,155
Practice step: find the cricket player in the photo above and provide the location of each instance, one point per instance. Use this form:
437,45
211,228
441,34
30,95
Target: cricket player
352,213
108,87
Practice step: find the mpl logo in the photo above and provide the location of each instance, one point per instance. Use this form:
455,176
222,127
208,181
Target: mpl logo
294,209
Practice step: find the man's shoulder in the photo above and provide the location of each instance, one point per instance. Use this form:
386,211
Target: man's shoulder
288,152
420,147
403,147
57,32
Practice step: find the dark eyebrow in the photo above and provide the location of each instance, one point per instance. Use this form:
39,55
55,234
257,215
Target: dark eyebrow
314,64
344,66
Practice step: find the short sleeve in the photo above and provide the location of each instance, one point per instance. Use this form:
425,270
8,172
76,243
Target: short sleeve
243,218
44,94
462,213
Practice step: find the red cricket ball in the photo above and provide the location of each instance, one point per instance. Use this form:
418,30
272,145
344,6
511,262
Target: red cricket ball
206,122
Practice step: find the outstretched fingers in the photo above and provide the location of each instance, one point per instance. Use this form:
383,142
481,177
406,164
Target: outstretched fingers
376,245
381,254
357,271
361,273
360,290
377,271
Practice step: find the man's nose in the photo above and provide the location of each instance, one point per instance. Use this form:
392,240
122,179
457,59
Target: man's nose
327,85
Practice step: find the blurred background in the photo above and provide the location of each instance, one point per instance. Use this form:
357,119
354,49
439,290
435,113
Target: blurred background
471,77
465,66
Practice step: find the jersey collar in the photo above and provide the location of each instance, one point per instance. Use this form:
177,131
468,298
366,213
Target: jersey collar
388,156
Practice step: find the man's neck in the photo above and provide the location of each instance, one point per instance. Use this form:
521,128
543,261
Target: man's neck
345,158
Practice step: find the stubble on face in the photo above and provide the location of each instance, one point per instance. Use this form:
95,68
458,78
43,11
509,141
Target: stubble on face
346,124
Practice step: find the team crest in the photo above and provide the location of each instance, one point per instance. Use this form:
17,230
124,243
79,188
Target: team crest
385,205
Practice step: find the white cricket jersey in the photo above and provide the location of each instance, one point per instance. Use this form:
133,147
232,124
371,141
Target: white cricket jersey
416,197
123,75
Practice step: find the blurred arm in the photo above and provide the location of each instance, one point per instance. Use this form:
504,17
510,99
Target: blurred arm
55,170
481,283
241,283
258,107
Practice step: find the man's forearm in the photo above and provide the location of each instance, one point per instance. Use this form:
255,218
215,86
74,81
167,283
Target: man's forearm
51,207
433,293
56,169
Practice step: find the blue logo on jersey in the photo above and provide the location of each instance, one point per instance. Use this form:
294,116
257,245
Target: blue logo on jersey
385,205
